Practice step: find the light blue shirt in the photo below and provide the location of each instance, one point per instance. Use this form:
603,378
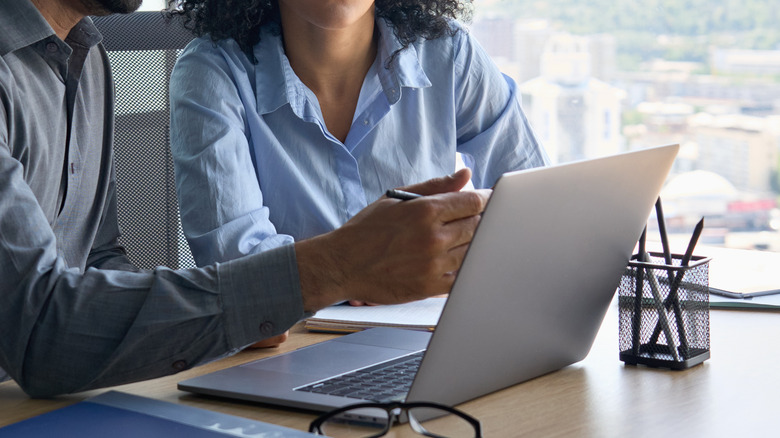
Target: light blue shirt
256,166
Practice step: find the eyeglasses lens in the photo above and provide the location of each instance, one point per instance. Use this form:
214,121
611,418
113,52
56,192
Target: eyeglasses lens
358,423
440,423
369,422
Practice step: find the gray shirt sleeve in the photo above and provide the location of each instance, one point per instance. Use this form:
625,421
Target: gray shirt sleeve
66,330
74,313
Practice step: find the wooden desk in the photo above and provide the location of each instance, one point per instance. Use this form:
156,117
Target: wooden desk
732,394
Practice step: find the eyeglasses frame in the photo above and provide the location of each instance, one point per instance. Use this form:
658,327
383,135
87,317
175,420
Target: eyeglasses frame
394,411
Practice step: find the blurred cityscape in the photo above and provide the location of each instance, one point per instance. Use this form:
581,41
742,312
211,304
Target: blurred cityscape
724,111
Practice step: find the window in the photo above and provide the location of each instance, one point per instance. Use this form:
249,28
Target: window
603,77
152,5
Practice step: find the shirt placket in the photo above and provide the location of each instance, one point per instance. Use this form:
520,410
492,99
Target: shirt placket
349,170
57,55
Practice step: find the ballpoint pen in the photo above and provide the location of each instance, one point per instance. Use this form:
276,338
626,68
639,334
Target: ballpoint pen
402,195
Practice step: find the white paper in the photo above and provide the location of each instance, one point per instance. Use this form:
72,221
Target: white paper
424,313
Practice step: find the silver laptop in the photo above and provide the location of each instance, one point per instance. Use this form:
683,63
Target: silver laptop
529,299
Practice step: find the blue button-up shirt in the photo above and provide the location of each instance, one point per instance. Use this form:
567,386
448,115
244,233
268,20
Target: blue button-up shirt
256,166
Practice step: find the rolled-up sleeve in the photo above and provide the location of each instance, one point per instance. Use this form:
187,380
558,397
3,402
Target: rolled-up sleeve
493,132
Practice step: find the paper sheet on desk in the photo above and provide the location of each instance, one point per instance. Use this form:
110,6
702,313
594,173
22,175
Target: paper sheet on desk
417,315
744,272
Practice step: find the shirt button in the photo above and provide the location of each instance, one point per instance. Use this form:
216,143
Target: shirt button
179,365
266,328
365,122
52,47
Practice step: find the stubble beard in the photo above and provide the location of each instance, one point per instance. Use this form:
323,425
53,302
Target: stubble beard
107,7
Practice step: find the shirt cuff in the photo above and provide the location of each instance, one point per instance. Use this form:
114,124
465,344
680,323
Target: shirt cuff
261,295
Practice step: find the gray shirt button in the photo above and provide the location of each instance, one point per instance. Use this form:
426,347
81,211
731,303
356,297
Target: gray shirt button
51,47
179,365
266,328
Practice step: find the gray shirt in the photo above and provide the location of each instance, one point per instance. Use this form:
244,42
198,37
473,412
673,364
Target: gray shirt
75,314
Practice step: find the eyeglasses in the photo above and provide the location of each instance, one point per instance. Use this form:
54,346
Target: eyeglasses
370,420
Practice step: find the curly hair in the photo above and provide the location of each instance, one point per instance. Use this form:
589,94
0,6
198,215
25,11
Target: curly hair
241,20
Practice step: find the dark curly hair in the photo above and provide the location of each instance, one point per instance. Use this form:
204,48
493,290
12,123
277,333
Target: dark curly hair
241,20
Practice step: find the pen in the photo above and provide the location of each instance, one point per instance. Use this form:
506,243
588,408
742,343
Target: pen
402,195
637,316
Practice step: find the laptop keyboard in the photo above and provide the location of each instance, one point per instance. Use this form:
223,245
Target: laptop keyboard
388,381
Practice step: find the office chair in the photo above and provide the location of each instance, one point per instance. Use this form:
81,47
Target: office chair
142,49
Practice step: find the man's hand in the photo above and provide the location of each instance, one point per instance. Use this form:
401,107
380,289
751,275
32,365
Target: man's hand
394,251
271,342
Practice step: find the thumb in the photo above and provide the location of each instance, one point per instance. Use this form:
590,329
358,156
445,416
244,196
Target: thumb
449,183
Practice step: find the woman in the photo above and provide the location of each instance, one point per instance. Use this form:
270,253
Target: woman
290,116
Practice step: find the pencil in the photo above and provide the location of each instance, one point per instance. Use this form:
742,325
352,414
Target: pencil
658,301
637,316
673,298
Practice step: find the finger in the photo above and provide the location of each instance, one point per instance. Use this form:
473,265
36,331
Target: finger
454,259
359,303
460,205
443,285
458,233
449,183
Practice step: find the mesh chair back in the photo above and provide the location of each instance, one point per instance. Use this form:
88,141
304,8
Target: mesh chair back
142,49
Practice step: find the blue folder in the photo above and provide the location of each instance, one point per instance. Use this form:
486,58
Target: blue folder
119,415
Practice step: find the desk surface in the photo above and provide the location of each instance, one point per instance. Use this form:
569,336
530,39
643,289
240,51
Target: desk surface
732,394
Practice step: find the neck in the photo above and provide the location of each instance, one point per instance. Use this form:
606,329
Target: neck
329,60
62,15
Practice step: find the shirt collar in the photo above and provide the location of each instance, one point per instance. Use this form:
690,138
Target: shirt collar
276,83
85,34
280,85
404,71
23,25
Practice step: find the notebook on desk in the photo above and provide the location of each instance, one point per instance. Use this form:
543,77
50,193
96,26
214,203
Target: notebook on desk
529,298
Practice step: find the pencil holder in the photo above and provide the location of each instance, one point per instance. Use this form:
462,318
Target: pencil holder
664,312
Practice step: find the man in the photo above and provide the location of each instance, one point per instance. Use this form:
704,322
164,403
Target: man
75,314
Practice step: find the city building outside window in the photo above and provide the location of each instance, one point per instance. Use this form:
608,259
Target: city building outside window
604,77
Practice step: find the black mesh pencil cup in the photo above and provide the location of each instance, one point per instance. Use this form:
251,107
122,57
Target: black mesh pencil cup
664,312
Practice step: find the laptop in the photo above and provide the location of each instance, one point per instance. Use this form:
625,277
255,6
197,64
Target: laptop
528,300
